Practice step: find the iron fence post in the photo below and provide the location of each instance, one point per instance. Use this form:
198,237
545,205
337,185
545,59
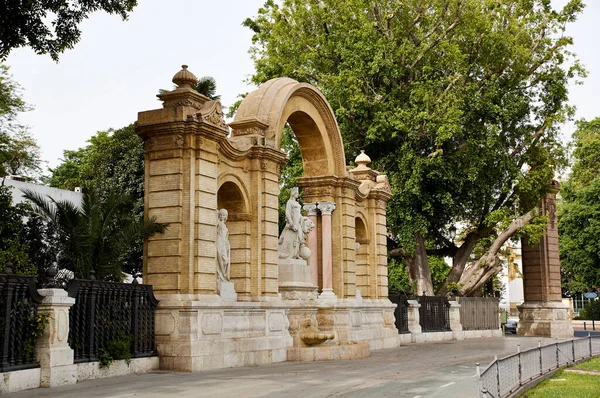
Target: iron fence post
557,356
478,373
7,294
136,324
497,373
519,359
540,351
590,343
573,348
91,354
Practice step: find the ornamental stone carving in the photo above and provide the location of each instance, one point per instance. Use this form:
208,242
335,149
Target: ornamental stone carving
326,208
292,242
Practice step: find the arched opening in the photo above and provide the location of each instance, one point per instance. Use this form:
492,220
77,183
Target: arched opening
261,119
362,257
232,198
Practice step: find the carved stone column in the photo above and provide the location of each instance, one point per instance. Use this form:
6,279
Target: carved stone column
311,212
326,209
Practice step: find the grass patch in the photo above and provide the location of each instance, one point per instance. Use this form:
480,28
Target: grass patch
574,386
592,364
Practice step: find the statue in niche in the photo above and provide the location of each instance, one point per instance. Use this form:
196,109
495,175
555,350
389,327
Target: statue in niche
292,243
223,247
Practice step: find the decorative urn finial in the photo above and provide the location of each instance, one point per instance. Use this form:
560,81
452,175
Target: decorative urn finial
362,161
184,78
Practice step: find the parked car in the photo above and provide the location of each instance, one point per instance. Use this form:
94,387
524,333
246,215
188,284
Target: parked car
511,326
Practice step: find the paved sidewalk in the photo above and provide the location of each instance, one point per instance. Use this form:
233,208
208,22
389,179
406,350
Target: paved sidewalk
445,369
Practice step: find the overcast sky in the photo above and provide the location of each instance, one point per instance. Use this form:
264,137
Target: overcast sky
118,67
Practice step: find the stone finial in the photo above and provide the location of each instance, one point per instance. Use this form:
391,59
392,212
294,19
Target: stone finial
362,161
184,78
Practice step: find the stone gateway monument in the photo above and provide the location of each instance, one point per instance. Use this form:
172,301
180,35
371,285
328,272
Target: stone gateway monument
232,292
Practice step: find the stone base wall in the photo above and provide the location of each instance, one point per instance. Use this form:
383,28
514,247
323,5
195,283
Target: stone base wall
208,333
92,370
19,380
547,319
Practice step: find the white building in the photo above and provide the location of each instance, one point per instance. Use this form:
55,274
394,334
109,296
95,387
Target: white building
16,186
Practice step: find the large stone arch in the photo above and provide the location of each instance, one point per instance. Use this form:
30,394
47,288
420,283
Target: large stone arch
265,112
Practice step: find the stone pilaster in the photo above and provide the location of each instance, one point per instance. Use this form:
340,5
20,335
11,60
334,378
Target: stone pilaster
52,348
326,209
543,313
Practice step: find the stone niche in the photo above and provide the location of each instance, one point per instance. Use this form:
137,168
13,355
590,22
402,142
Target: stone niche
333,306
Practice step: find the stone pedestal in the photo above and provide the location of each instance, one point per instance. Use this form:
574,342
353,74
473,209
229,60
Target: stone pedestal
455,325
295,280
414,321
226,291
52,348
548,319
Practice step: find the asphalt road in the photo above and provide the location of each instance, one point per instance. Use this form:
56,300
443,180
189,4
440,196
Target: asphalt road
445,369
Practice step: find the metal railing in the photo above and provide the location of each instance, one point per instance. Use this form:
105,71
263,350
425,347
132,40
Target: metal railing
504,376
434,314
479,313
401,311
107,312
19,300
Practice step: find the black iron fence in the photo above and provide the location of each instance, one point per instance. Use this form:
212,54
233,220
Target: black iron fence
109,313
18,321
401,311
479,313
434,314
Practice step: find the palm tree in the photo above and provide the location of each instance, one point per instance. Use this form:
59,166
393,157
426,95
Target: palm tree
206,85
96,237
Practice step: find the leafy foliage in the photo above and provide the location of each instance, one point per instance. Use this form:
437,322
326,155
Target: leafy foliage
19,153
290,171
13,243
116,350
579,212
97,236
591,310
112,162
458,102
50,26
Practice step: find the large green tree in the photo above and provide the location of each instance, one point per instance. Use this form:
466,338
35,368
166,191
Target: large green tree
457,101
112,161
50,26
19,153
579,212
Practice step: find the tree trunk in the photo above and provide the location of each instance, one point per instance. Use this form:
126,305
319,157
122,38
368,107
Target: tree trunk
418,269
460,261
479,272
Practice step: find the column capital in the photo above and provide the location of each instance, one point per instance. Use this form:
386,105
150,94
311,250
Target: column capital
310,208
326,208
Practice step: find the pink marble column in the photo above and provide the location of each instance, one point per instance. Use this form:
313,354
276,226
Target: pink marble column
326,209
311,213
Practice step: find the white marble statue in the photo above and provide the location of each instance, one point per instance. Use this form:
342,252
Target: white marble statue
223,247
292,243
